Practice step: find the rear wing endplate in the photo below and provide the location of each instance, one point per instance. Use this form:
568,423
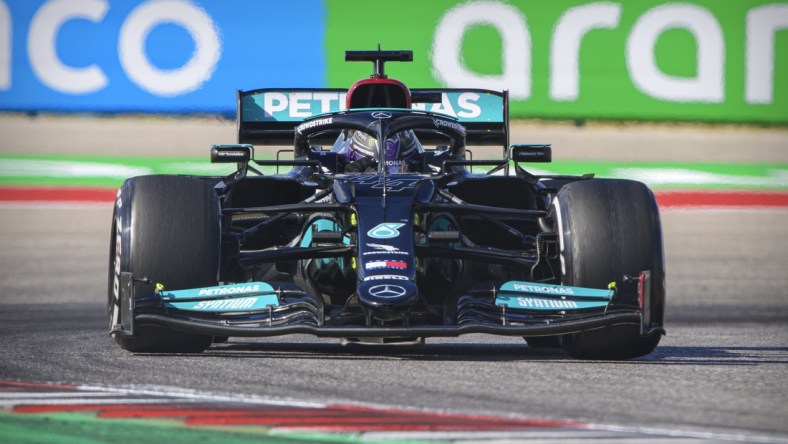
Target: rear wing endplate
269,116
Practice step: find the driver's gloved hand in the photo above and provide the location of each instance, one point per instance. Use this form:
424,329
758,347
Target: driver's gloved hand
365,165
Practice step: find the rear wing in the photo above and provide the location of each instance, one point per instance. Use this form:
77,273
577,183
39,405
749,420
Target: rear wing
269,116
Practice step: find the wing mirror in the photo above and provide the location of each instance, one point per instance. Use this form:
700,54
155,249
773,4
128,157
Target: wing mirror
541,153
240,153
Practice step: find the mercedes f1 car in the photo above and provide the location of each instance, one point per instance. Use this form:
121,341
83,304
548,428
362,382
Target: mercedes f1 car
389,250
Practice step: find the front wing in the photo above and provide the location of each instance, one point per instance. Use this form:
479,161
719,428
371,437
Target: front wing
257,312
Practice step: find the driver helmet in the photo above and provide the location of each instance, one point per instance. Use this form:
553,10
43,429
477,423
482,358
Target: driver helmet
400,149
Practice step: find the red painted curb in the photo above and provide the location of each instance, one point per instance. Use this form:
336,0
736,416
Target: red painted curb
666,199
57,194
336,418
722,199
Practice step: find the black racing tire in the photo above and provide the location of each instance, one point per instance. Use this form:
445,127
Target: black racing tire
167,229
609,228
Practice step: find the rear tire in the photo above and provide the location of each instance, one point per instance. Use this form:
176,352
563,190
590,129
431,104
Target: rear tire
165,228
610,228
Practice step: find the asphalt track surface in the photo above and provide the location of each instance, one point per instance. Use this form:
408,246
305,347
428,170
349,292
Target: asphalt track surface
720,373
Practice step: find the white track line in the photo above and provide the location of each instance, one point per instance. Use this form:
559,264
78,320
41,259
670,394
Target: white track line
588,430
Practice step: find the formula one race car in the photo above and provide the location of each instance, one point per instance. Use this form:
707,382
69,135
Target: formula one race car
388,236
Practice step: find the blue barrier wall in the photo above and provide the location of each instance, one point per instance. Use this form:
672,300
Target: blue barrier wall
154,56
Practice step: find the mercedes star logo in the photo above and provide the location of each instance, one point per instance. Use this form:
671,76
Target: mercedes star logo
381,115
387,291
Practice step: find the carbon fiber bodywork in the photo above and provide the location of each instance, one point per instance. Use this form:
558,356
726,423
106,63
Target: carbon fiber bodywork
433,250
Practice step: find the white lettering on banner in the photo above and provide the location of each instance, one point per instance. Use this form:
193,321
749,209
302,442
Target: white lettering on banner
565,46
762,23
52,72
42,46
49,23
708,84
170,82
516,58
5,47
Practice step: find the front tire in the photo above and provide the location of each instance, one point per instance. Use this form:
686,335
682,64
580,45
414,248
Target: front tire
610,228
544,341
167,229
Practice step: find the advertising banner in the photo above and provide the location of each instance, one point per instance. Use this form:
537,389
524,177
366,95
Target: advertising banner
153,56
697,60
713,60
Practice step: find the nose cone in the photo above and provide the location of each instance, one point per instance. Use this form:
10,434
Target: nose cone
387,295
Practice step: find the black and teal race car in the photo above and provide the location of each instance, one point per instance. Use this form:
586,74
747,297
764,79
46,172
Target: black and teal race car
382,249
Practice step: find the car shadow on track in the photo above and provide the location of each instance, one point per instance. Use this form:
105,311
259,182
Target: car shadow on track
685,355
471,352
429,352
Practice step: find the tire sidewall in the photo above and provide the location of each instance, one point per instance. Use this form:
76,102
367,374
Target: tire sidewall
608,228
147,198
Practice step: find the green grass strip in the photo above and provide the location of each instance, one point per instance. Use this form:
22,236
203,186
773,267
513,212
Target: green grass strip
105,171
86,428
